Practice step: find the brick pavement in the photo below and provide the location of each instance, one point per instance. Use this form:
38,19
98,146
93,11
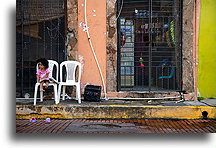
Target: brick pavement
141,126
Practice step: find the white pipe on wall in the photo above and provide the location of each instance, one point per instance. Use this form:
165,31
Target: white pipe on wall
92,48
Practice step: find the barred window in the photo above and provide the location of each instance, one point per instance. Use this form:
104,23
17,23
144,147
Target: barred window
149,45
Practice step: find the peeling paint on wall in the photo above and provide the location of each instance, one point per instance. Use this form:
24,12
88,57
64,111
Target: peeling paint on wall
83,26
81,60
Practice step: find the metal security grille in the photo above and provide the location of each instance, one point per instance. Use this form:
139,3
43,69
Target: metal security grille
40,32
149,45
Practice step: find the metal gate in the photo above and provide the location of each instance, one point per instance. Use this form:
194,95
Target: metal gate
149,45
40,32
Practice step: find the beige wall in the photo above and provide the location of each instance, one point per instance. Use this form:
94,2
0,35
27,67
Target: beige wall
96,17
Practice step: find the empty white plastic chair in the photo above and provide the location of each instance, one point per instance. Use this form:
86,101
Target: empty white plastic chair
71,67
52,63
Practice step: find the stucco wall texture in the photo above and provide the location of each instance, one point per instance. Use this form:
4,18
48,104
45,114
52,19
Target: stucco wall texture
207,50
101,16
96,18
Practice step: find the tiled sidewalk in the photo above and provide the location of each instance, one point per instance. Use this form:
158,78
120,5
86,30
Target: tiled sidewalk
116,126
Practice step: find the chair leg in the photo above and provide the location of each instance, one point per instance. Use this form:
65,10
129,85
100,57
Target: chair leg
55,94
41,96
35,94
59,93
78,95
63,97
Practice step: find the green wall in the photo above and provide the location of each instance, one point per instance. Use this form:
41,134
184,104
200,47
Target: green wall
207,49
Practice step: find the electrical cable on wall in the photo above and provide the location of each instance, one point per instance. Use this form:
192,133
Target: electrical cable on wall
92,48
120,10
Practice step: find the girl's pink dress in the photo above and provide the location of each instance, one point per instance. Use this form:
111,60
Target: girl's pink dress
42,74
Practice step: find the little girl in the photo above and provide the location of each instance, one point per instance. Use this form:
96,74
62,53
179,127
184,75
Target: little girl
43,73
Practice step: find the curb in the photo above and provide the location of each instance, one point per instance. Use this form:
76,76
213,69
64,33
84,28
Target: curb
114,112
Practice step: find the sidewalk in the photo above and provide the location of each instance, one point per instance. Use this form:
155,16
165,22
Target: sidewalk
116,109
109,126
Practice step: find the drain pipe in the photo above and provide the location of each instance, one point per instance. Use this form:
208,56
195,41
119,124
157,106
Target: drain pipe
95,57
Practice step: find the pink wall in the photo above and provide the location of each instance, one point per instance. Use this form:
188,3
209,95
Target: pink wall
96,17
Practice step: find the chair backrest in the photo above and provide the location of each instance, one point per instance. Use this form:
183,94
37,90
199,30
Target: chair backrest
52,63
71,67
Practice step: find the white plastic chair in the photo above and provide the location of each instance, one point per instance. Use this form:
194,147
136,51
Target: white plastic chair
52,63
71,67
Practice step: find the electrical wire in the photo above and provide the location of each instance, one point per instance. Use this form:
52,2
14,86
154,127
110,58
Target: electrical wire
120,10
92,48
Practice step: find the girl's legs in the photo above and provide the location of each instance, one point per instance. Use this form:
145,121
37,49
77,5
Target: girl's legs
41,86
47,83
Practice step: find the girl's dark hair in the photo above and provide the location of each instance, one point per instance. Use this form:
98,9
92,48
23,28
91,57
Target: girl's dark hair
44,62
